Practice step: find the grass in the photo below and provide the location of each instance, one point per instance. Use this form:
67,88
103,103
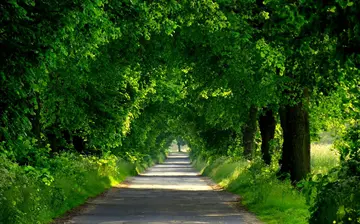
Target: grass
323,157
39,195
150,161
272,200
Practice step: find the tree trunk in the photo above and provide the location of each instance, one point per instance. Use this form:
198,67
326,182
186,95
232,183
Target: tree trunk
53,141
36,125
295,158
79,144
267,125
249,131
3,106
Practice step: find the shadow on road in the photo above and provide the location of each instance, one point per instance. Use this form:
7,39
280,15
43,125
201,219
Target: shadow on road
171,192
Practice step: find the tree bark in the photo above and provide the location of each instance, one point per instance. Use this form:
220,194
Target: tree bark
36,125
79,144
53,141
267,125
295,158
3,106
249,131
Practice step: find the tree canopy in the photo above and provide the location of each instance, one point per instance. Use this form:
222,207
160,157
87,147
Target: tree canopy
129,76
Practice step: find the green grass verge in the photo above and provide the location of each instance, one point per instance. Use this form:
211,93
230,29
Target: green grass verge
37,195
271,200
149,161
323,157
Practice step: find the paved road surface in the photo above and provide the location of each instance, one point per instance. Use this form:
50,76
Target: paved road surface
172,192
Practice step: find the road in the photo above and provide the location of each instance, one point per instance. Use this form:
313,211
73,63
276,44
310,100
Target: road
171,192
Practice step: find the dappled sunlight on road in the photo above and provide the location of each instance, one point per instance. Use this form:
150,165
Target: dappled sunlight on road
171,174
182,187
171,192
176,162
175,221
175,173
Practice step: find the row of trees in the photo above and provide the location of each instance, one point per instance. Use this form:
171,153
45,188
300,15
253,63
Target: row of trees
86,76
275,61
127,76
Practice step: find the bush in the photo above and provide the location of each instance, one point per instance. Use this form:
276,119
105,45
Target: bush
337,194
38,194
330,194
272,200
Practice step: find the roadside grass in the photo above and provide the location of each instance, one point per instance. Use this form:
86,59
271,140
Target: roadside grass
35,195
323,157
273,201
149,161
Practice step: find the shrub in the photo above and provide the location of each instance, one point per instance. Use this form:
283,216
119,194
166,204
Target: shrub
272,200
38,194
337,194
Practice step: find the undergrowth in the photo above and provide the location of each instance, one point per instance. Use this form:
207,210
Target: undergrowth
272,200
39,194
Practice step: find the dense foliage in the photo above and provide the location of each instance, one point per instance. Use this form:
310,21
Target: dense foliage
36,195
100,80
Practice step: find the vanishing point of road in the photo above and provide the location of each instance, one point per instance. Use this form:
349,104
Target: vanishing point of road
171,192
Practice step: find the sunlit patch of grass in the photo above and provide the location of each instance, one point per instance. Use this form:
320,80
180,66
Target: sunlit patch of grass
323,156
273,201
233,175
200,165
26,198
